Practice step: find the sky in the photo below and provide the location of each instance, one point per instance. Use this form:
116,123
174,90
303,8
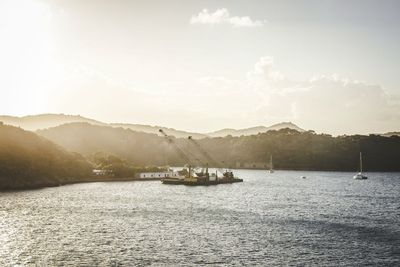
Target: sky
329,66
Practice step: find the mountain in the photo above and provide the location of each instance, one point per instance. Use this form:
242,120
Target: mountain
28,161
155,130
254,130
87,139
43,121
389,134
291,149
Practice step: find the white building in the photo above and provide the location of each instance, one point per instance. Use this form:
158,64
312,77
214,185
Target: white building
99,172
160,175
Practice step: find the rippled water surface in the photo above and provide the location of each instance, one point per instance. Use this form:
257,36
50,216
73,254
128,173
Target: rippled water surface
270,219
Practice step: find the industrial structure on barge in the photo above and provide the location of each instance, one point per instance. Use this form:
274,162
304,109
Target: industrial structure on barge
204,177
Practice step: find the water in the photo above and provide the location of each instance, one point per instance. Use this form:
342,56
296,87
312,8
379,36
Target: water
327,219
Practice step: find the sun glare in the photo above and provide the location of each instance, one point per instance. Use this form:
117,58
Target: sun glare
27,53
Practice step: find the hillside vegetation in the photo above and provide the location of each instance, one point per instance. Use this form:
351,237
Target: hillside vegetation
28,160
137,147
291,149
154,130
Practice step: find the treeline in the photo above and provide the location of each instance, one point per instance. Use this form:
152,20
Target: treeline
138,148
118,167
29,161
291,150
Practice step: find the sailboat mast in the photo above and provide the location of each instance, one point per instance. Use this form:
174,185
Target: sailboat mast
360,162
270,163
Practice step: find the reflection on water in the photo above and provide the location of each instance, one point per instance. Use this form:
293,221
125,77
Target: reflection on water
279,218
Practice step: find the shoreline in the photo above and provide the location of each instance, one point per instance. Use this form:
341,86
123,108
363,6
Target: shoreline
300,170
90,180
133,179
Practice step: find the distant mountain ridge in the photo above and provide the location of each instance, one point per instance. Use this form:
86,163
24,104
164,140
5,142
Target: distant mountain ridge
391,134
291,149
45,121
255,130
155,130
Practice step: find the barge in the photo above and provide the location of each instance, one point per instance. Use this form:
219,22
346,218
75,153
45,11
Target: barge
203,179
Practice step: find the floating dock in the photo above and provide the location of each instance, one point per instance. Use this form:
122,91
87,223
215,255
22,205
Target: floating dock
202,179
195,181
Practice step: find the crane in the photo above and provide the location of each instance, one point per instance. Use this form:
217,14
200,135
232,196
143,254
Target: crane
177,148
206,155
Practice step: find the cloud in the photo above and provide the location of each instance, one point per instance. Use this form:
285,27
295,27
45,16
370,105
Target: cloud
217,83
222,16
326,103
329,104
263,74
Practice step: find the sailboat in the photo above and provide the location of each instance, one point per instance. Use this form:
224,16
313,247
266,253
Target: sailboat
360,175
271,166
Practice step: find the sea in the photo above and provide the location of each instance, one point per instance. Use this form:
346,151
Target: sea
285,218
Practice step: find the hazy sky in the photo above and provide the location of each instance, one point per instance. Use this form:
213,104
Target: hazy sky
331,66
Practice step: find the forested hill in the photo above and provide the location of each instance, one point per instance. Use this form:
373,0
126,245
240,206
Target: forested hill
136,147
291,149
28,161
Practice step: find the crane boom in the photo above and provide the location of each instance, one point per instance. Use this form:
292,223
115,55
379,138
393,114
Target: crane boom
206,154
177,148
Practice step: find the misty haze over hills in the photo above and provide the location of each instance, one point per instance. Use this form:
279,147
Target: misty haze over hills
194,133
254,130
28,160
291,149
66,153
44,121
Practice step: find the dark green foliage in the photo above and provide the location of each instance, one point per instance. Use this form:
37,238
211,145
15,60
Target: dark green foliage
291,149
118,166
27,160
138,148
309,151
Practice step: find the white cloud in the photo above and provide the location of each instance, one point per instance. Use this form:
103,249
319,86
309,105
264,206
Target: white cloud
222,16
263,72
327,103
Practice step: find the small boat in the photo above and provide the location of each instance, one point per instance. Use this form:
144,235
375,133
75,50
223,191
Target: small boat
170,180
360,175
271,166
